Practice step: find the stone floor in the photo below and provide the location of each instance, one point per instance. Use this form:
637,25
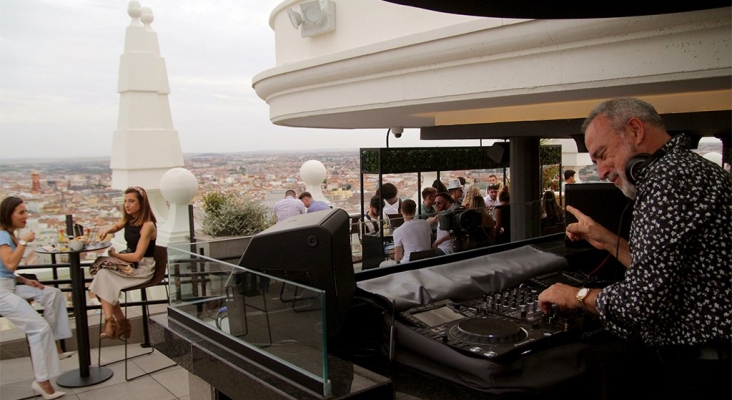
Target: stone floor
171,383
16,372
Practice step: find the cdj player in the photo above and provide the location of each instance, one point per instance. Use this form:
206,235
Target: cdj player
501,326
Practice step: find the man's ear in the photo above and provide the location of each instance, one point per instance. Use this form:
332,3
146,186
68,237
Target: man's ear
636,130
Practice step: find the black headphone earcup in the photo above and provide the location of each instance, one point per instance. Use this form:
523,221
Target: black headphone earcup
635,165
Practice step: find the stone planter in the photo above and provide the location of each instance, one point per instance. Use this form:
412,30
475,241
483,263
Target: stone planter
225,248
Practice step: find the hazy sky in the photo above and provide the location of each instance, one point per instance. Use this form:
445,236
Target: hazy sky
59,64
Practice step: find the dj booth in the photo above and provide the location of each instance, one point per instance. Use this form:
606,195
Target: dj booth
459,326
475,324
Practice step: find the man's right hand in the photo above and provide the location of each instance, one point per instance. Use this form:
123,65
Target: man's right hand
598,236
587,229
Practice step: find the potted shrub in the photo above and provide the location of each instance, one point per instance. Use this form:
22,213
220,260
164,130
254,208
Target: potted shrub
233,220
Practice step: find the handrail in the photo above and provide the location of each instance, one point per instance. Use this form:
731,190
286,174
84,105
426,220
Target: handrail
56,282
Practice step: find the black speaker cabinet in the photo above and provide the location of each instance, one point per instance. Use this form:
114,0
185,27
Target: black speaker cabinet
313,249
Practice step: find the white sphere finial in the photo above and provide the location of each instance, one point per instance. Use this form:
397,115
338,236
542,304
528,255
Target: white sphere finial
178,185
147,16
134,9
313,173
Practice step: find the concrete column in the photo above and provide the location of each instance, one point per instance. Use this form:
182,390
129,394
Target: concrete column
525,174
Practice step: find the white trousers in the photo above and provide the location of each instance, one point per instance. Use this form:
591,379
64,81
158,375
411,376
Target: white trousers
40,334
54,307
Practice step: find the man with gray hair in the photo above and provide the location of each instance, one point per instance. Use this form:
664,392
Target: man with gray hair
676,297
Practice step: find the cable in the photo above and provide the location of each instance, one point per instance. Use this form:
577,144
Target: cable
599,266
620,227
617,246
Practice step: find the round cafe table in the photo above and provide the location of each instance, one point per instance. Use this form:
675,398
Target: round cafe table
85,375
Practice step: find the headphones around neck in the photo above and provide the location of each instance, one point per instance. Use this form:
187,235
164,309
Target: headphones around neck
639,162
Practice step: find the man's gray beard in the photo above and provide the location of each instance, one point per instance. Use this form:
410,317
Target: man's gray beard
628,189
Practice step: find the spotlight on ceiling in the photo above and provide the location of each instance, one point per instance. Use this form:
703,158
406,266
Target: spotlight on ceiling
315,17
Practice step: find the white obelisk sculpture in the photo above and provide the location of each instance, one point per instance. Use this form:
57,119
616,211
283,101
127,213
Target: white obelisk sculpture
145,145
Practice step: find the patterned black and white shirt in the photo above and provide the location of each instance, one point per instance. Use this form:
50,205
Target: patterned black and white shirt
678,288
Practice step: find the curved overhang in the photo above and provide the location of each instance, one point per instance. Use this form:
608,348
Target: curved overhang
479,72
565,9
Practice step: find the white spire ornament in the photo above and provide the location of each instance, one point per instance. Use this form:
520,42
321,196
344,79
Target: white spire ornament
145,145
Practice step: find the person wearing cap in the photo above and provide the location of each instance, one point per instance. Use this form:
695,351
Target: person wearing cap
456,191
462,185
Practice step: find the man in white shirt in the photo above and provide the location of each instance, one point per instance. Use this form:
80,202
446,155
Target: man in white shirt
491,199
413,235
392,202
289,206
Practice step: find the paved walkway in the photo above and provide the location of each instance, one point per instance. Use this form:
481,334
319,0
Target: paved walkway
16,376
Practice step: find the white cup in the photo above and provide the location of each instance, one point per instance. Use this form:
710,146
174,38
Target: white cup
76,245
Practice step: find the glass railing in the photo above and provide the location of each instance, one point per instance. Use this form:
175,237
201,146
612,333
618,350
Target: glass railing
276,323
491,227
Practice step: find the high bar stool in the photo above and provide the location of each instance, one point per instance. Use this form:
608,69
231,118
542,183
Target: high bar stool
161,264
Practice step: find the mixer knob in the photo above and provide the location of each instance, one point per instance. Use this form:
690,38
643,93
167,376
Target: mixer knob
554,311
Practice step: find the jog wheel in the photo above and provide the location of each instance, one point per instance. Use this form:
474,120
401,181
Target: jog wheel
487,331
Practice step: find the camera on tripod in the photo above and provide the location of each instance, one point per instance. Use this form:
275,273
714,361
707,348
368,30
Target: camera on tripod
460,221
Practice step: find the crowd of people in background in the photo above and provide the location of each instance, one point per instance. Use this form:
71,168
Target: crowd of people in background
385,212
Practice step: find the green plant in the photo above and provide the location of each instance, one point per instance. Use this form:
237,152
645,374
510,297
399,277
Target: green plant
229,215
550,177
213,201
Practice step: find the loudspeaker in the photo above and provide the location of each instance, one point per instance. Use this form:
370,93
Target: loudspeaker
313,249
639,162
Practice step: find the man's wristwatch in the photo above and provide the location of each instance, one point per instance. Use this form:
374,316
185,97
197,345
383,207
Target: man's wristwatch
581,295
22,242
